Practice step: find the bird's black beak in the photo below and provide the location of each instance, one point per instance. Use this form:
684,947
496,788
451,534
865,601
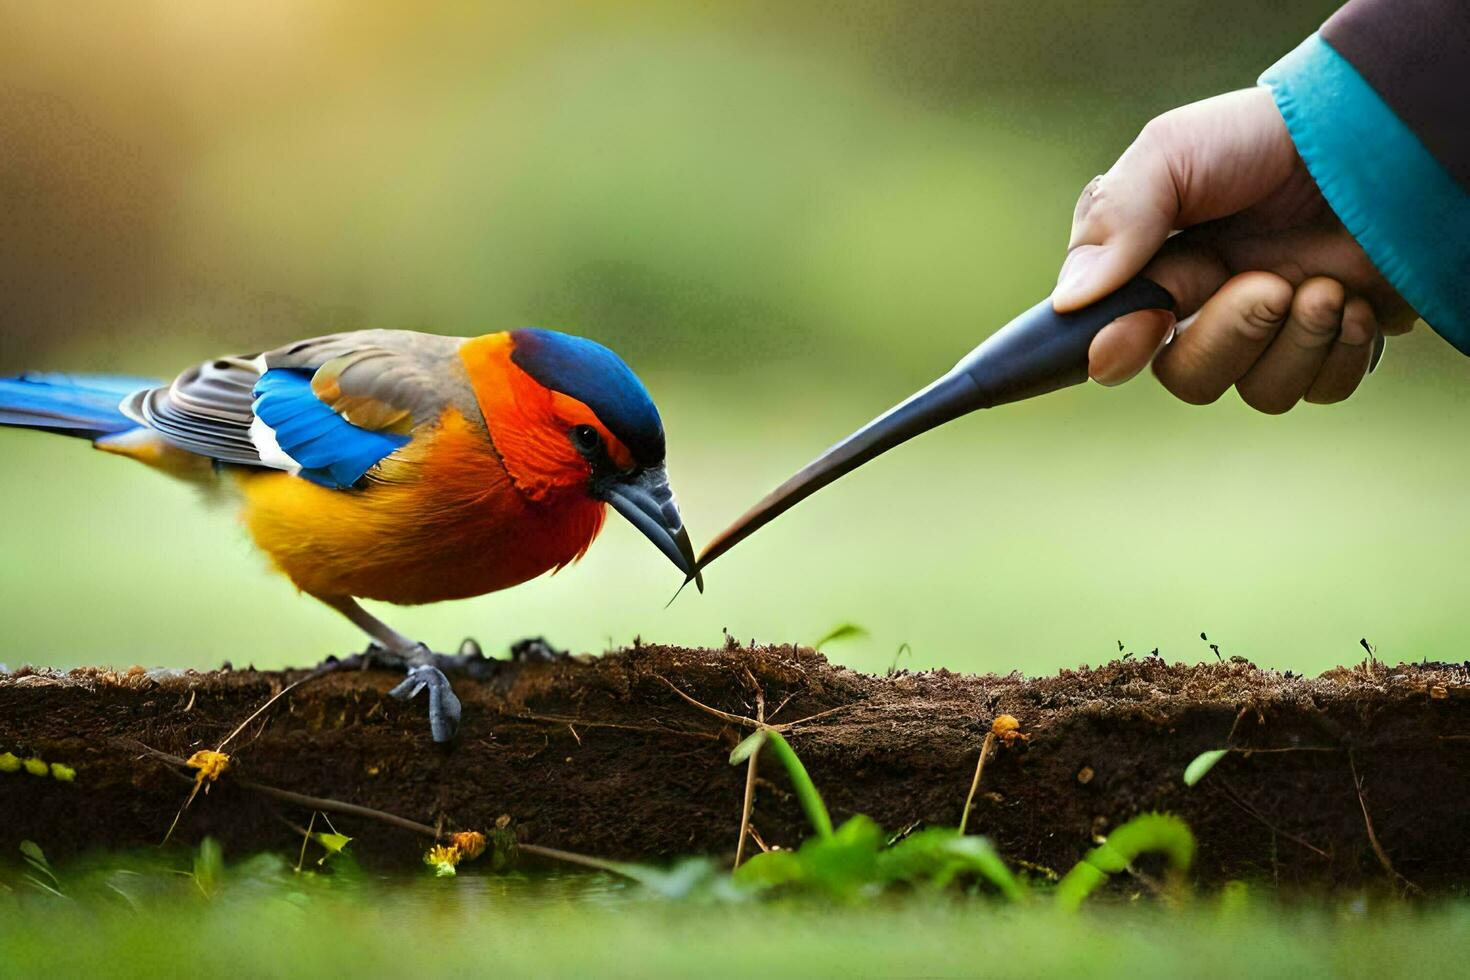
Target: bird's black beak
1037,352
646,500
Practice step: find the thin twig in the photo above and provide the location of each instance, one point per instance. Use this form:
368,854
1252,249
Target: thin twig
1239,717
198,783
1250,811
1378,850
750,772
786,726
784,702
193,792
760,724
305,839
585,860
382,816
749,722
337,806
274,698
586,723
161,756
727,716
985,748
311,802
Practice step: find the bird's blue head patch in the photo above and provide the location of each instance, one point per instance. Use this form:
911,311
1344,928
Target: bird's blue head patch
598,378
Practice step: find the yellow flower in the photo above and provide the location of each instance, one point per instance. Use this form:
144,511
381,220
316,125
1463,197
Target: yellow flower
62,772
35,767
211,765
9,762
442,858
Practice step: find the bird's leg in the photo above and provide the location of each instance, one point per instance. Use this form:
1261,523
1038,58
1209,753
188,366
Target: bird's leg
389,647
425,667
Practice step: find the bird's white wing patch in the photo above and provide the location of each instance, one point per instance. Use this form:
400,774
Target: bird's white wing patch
263,437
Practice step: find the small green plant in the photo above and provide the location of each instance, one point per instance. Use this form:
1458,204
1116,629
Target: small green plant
940,854
903,648
857,857
332,843
856,860
801,781
844,862
1150,832
844,631
42,877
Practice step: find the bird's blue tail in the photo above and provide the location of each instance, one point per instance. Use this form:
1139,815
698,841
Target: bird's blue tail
83,405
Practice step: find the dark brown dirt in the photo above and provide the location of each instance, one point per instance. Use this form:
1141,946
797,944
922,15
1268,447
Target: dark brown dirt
604,758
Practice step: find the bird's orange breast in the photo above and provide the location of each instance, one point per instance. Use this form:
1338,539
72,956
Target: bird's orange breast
446,523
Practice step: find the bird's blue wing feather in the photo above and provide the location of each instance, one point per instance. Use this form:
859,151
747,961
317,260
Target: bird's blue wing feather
330,450
77,404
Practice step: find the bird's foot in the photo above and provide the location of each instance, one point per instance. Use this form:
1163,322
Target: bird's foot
536,650
444,707
469,661
374,656
429,671
426,671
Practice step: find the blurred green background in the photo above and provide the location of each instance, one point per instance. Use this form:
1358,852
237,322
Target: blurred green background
786,217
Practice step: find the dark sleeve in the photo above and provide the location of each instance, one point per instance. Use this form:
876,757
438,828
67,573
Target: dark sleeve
1416,55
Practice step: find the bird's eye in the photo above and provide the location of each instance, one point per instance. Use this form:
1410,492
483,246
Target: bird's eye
586,438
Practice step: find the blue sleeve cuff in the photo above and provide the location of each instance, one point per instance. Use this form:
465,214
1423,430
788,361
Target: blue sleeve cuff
1391,194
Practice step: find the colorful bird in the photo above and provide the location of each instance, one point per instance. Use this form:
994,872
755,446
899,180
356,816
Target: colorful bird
398,466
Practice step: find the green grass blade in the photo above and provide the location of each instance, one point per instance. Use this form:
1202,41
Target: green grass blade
1202,764
1158,832
806,790
748,747
938,854
847,631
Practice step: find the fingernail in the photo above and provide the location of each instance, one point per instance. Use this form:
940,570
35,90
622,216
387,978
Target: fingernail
1378,348
1074,273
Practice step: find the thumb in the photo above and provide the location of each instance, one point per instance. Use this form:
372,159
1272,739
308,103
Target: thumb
1122,218
1196,163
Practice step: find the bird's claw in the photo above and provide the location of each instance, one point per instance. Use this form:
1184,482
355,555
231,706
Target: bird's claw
536,650
427,670
376,655
444,706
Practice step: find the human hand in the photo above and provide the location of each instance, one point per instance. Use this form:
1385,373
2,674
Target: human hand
1272,294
